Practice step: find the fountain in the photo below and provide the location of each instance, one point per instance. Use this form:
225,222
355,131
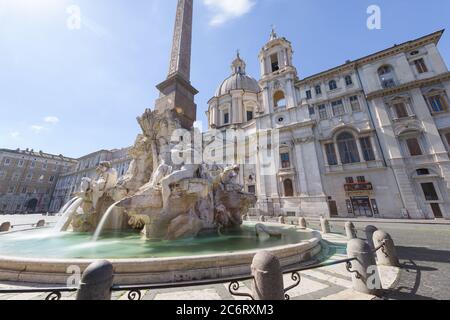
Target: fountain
178,219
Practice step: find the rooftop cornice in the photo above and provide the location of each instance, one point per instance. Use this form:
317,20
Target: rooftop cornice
406,46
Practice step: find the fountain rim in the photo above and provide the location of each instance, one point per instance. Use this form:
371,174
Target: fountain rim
154,270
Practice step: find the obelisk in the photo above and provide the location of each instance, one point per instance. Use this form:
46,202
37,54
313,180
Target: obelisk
176,92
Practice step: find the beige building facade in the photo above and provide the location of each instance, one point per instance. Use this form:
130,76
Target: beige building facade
28,179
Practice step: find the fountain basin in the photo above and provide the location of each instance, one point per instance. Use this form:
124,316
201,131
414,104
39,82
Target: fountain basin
193,265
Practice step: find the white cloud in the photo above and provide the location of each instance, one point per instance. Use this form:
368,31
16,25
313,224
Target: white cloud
51,120
225,10
37,129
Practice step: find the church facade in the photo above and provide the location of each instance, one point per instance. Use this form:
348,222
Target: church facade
370,138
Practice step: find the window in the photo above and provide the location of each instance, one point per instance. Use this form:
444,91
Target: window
414,147
367,149
437,104
252,189
331,154
423,172
421,67
308,94
332,85
21,162
288,188
11,190
349,180
250,115
274,62
15,177
226,118
354,102
323,112
338,108
318,90
285,160
29,177
51,179
447,137
387,78
311,111
430,192
279,99
33,164
400,110
24,190
347,148
7,162
361,179
348,80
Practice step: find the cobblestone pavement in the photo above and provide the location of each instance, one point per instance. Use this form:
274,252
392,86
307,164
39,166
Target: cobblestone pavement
326,283
424,251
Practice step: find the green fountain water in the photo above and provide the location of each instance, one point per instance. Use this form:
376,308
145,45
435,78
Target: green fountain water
127,245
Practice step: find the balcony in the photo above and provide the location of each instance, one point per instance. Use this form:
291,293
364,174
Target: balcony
358,187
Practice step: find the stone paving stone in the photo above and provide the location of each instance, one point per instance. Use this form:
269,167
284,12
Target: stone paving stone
306,287
243,288
319,275
349,295
207,294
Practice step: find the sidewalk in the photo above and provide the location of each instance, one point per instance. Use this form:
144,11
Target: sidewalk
377,221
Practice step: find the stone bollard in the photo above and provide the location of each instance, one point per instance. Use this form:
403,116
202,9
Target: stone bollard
40,224
350,230
96,282
268,278
370,230
262,218
281,220
388,255
302,223
5,226
364,270
325,225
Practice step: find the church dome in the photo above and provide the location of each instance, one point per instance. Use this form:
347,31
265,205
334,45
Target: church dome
239,80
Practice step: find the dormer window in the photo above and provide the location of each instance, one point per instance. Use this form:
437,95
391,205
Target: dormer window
274,62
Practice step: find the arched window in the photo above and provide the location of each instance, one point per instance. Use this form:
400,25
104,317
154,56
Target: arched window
387,77
279,99
288,188
332,84
348,148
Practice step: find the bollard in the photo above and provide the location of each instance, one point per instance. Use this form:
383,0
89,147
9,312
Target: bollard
268,278
96,282
388,255
350,230
370,230
364,271
5,226
281,220
302,223
325,224
262,219
40,224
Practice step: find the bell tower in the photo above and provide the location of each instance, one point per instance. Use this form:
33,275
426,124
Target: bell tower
176,92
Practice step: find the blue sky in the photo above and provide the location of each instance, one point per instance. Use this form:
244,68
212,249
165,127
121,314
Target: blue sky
77,91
